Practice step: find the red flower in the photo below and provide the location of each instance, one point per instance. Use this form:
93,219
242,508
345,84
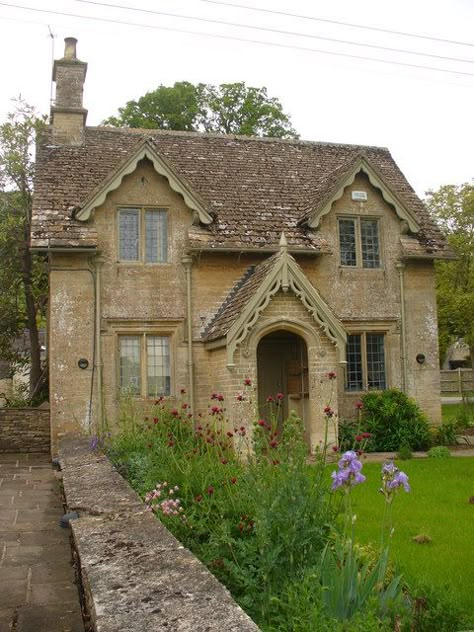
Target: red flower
328,411
174,412
224,461
210,490
233,480
170,444
216,409
198,498
366,435
273,444
199,428
359,405
229,433
262,422
155,420
335,448
279,396
269,398
213,395
359,437
331,375
190,415
184,406
240,397
248,381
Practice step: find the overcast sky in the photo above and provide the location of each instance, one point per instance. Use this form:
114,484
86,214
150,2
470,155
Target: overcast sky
425,117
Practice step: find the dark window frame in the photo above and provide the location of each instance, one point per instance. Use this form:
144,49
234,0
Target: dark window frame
146,247
359,251
366,362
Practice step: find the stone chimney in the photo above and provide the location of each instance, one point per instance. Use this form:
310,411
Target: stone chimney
68,117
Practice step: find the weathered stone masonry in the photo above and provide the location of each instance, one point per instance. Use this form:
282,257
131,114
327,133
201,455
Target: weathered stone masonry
24,430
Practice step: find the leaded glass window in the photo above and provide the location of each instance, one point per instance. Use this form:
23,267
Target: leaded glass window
354,364
359,243
143,235
158,365
369,239
375,362
130,373
145,366
347,242
366,362
129,234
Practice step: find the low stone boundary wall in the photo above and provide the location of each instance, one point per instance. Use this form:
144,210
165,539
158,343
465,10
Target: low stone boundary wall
136,575
24,430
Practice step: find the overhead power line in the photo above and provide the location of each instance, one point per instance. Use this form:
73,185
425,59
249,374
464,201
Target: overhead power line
238,39
273,30
338,22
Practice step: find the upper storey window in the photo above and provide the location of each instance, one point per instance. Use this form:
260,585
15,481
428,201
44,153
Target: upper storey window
143,235
359,242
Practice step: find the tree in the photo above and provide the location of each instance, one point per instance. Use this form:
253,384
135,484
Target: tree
23,277
231,108
453,207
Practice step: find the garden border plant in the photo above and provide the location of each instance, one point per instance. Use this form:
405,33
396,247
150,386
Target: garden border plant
264,521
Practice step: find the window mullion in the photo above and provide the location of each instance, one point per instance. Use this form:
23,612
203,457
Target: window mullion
358,243
143,366
363,352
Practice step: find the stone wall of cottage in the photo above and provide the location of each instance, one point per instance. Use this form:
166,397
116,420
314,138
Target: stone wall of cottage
140,297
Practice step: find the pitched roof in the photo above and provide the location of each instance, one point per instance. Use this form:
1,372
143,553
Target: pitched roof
237,299
254,187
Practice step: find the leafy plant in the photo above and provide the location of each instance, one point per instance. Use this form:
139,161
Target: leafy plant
439,452
394,420
404,453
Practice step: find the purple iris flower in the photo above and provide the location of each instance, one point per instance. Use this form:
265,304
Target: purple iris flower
348,473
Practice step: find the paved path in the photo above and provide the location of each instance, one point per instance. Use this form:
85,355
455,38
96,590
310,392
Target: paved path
37,589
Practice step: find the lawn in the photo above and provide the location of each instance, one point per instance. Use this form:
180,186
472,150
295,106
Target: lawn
438,506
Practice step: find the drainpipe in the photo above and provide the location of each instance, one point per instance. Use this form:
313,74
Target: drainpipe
98,263
403,332
187,261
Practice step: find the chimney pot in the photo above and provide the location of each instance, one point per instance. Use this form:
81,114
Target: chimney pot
70,48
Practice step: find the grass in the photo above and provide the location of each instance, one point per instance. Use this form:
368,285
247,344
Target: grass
438,506
449,412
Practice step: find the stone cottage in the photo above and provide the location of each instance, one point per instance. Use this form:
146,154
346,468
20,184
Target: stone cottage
185,260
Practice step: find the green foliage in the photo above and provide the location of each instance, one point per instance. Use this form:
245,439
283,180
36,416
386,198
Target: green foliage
23,278
437,609
439,452
404,453
394,420
230,108
446,433
453,207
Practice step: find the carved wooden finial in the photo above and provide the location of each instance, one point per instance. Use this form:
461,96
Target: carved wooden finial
283,243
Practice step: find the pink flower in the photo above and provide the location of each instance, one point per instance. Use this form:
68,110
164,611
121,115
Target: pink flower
269,398
279,396
216,409
273,444
210,490
262,423
366,435
359,405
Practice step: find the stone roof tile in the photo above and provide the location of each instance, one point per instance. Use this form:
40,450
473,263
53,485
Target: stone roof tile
255,187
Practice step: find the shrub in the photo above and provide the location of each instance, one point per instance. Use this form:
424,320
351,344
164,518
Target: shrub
404,453
435,609
439,452
394,420
446,433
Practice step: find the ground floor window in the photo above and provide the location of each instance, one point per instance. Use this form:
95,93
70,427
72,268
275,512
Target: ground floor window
366,362
145,367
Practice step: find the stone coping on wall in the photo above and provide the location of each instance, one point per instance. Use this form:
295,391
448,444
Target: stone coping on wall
136,576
